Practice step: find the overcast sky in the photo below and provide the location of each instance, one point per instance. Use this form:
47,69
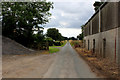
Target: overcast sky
69,15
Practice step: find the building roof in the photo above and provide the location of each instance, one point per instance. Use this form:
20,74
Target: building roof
97,11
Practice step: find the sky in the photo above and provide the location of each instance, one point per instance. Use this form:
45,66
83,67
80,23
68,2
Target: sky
69,15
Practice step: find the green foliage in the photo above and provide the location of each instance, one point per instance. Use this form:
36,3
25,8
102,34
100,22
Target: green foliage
53,50
57,43
65,38
80,36
50,41
72,38
62,44
97,4
19,19
54,34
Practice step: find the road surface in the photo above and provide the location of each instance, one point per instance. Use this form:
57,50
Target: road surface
64,64
68,64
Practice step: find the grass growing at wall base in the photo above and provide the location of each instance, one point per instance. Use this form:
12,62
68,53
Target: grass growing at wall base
53,50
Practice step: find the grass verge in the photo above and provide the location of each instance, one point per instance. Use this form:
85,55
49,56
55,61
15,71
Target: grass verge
61,45
102,66
53,50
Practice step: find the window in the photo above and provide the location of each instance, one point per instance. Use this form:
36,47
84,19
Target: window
88,44
93,45
104,47
84,43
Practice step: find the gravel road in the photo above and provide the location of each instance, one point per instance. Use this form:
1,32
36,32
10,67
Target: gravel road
64,64
29,66
68,64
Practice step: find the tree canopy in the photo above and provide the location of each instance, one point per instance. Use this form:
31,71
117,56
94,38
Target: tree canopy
19,19
97,4
54,34
80,36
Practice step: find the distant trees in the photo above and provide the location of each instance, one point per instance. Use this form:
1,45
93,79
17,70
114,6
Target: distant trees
97,4
65,38
54,34
20,18
72,38
80,36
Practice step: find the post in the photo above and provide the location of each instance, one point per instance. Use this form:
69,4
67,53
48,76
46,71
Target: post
47,45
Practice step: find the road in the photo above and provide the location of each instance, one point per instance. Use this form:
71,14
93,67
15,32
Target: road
26,66
64,64
68,64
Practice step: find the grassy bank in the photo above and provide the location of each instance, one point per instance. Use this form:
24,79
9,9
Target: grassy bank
61,45
53,49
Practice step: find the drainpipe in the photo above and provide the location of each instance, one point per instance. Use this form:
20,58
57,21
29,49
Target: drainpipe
115,43
117,12
99,20
99,31
91,27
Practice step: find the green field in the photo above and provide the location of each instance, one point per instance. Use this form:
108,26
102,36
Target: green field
61,45
53,50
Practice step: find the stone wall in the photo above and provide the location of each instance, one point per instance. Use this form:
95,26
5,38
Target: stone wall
111,40
104,37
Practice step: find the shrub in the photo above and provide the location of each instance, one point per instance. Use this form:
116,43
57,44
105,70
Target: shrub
50,41
57,43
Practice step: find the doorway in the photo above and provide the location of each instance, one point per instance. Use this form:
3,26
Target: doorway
104,48
88,44
93,45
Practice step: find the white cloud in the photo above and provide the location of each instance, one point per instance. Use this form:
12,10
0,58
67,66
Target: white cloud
63,23
72,0
74,14
70,15
67,32
53,17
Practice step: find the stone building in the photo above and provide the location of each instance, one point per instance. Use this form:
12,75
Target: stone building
101,32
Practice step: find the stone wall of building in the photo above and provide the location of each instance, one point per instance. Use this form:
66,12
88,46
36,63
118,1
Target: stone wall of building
103,38
104,43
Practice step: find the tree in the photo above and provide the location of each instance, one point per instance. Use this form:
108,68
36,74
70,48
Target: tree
19,18
97,4
65,38
72,38
54,34
80,36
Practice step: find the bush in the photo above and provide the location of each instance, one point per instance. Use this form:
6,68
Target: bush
50,41
57,43
62,42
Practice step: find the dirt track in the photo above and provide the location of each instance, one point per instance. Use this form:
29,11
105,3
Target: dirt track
68,64
64,64
29,66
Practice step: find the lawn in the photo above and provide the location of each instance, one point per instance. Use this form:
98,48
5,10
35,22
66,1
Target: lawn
61,45
53,50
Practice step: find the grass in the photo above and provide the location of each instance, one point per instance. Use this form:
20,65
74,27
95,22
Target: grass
74,42
61,45
53,50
